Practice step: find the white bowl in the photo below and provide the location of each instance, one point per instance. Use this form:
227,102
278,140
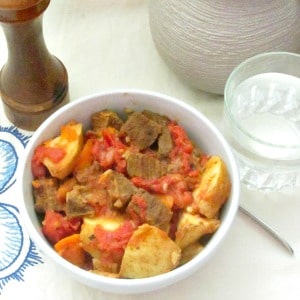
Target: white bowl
199,128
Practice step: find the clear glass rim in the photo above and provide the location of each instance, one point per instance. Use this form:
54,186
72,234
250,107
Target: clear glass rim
234,120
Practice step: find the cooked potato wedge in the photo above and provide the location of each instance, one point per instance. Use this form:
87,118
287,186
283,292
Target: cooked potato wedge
192,227
107,269
71,140
214,188
190,252
149,252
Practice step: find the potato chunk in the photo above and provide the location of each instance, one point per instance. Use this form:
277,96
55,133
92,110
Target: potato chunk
71,141
149,252
192,227
214,188
190,252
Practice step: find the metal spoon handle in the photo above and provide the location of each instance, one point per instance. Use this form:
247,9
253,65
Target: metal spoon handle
269,229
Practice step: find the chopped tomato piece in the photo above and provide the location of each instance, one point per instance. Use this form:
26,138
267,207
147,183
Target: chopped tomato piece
112,243
38,170
109,152
182,150
54,154
113,240
173,184
111,139
180,138
56,226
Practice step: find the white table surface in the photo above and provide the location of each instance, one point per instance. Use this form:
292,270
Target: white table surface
107,44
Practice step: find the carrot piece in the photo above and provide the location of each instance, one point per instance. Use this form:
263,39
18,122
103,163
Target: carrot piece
85,157
64,188
68,132
70,249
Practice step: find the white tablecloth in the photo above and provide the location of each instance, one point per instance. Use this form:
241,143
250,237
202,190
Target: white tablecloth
107,44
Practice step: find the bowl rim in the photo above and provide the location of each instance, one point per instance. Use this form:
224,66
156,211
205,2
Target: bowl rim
132,286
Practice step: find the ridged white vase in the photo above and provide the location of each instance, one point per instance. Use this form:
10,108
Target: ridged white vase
203,40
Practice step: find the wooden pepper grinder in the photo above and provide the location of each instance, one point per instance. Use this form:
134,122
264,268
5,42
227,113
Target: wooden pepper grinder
33,83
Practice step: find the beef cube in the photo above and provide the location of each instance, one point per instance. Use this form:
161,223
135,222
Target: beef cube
119,188
165,142
145,166
106,118
147,208
141,131
89,173
160,119
44,191
79,200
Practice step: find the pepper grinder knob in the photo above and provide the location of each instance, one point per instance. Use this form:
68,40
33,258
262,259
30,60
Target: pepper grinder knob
33,83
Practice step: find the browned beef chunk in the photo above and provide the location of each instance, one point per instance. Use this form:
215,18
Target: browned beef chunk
145,166
106,118
141,131
79,200
44,191
88,174
160,119
119,188
149,209
165,142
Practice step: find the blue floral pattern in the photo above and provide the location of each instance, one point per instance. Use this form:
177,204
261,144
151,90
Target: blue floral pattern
9,159
17,251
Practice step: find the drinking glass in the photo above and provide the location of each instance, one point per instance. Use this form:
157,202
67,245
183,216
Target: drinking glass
261,119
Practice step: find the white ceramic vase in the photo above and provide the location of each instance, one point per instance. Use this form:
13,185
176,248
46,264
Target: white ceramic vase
203,40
